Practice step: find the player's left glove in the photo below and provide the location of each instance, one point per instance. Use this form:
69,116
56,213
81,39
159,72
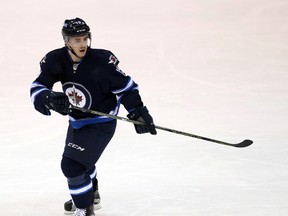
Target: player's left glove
141,114
59,102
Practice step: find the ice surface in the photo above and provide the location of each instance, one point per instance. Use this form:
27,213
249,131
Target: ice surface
216,68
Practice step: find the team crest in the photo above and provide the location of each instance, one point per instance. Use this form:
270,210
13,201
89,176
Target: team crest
78,95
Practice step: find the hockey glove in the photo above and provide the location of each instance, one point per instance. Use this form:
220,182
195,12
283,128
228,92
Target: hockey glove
58,102
141,114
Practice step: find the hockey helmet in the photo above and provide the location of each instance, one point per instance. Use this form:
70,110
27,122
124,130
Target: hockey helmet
75,27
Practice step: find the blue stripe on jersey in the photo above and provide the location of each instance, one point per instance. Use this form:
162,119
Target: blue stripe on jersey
36,88
76,124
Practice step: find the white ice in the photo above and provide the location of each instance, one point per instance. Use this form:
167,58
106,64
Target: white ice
216,68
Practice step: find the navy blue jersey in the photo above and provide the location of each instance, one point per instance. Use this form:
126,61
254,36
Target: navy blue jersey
94,83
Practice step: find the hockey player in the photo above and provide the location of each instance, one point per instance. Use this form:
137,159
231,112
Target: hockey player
90,79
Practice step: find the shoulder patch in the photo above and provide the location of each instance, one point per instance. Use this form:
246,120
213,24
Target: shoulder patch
113,60
43,60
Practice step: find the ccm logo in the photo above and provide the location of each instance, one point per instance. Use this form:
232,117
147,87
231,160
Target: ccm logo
77,147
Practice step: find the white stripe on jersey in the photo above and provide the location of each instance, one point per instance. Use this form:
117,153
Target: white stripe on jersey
35,93
129,85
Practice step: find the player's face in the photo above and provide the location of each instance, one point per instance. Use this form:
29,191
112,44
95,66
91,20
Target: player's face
79,44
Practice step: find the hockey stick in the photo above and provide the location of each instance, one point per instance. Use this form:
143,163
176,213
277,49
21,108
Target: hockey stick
242,144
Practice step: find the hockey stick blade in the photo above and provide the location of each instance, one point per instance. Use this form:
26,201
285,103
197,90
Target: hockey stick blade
243,144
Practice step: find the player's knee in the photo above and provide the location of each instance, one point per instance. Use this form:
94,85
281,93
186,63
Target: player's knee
72,168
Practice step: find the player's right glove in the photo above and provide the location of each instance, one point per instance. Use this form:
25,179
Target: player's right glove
59,102
141,114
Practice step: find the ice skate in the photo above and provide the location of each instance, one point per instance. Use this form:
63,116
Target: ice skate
85,212
70,208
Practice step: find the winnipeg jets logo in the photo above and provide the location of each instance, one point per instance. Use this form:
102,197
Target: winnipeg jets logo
78,95
75,96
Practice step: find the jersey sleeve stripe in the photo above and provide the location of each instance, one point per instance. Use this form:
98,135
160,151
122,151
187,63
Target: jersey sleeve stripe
129,85
36,88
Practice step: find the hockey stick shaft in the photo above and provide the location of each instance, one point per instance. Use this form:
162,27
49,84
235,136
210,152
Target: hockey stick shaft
244,143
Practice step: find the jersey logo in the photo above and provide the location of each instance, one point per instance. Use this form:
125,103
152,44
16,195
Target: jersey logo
78,95
113,60
73,95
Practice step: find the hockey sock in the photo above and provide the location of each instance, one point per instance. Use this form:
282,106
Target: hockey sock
79,182
81,190
93,174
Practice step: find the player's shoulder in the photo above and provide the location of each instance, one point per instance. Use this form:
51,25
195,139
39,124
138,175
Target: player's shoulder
104,55
56,52
54,55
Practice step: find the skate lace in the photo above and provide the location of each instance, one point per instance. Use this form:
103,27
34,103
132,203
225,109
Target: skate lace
80,212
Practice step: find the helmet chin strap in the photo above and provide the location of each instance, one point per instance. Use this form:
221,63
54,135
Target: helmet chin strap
72,51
